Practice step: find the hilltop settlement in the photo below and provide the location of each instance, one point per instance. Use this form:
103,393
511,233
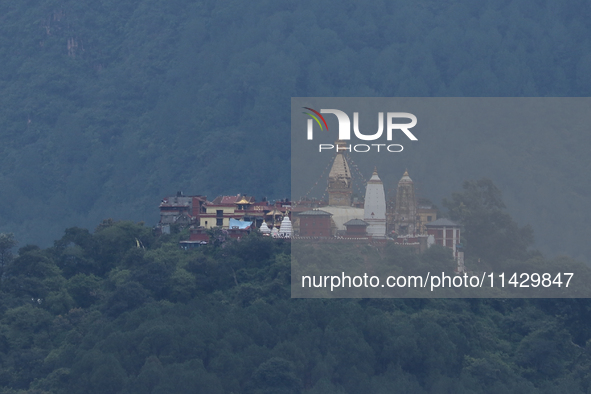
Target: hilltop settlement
400,219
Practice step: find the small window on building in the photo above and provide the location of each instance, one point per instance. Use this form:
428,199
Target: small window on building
429,218
219,222
206,222
219,213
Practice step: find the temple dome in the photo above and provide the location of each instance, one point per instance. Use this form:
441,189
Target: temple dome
285,228
264,229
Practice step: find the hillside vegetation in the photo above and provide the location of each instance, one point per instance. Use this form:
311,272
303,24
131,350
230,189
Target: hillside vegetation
122,311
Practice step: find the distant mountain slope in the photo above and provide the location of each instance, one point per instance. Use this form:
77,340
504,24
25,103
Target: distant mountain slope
108,106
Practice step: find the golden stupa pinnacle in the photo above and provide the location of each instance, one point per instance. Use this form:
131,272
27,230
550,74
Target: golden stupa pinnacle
340,145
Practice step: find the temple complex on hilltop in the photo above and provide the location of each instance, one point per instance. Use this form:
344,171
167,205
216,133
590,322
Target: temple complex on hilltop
403,218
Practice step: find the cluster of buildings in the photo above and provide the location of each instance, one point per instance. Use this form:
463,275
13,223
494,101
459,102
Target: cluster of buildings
236,215
400,219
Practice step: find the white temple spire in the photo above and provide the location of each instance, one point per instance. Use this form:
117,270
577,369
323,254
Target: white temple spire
375,206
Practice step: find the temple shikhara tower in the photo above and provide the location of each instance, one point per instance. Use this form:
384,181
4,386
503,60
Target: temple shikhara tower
405,211
340,191
374,212
339,180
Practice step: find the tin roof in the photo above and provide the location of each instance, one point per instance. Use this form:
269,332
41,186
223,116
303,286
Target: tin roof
225,200
442,222
314,212
356,222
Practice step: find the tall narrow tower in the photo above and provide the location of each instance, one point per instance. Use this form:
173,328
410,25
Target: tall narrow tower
339,180
374,211
406,207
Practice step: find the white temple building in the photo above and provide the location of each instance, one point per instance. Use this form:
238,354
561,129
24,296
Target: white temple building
374,212
264,229
342,214
285,229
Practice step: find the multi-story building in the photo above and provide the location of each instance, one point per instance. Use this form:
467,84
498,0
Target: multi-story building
223,208
446,233
241,207
180,209
425,214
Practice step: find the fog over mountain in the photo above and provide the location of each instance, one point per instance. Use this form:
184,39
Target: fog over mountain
109,106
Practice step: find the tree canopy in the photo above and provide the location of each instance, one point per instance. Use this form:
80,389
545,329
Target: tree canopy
490,232
95,313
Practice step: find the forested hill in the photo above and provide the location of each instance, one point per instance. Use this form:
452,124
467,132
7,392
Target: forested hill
119,311
107,106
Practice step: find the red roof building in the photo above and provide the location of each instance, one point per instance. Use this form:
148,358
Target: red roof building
356,228
315,223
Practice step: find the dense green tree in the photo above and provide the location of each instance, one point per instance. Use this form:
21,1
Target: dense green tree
126,297
489,231
159,319
84,289
34,274
150,376
7,243
275,376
